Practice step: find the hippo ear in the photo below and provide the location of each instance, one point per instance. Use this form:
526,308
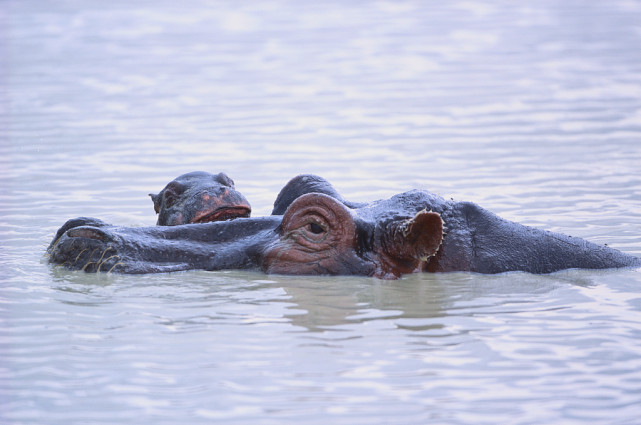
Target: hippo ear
156,200
415,239
225,180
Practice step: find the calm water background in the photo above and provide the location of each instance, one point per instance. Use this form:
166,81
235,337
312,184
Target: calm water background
532,110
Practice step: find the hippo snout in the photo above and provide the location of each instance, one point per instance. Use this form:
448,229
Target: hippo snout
84,244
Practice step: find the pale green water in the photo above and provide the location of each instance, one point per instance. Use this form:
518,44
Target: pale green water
531,111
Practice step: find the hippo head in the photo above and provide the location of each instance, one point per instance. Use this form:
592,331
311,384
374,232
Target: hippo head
320,235
199,197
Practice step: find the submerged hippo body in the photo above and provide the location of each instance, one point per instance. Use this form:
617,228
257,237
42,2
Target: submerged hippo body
199,197
321,233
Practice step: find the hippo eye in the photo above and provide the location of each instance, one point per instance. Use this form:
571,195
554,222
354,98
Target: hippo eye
315,228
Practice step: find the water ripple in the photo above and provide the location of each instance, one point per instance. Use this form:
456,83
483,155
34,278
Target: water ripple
530,110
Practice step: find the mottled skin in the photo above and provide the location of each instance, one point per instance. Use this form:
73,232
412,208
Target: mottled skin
199,197
321,233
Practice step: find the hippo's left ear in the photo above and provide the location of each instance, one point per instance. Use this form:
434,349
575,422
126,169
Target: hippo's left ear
156,200
415,239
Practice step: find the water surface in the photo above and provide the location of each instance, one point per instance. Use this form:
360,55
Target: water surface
532,111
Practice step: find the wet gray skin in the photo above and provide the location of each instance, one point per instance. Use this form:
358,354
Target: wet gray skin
319,233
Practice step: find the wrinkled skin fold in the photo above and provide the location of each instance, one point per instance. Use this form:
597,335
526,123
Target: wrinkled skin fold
314,231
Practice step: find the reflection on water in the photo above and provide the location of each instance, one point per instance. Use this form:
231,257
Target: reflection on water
234,346
530,110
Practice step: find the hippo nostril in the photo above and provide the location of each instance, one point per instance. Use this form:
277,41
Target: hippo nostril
88,233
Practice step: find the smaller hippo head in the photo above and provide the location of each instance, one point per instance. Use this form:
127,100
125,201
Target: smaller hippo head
319,235
199,197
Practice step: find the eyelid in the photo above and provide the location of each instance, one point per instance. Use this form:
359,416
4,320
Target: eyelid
307,236
319,221
316,228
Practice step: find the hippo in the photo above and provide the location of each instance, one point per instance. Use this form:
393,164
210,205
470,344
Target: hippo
314,231
199,197
196,197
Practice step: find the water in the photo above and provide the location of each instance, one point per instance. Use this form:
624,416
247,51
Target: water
532,111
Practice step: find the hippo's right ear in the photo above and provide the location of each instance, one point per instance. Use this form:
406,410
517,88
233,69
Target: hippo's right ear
156,200
225,180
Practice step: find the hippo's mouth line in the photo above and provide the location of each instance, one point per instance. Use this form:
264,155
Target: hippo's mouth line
222,214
